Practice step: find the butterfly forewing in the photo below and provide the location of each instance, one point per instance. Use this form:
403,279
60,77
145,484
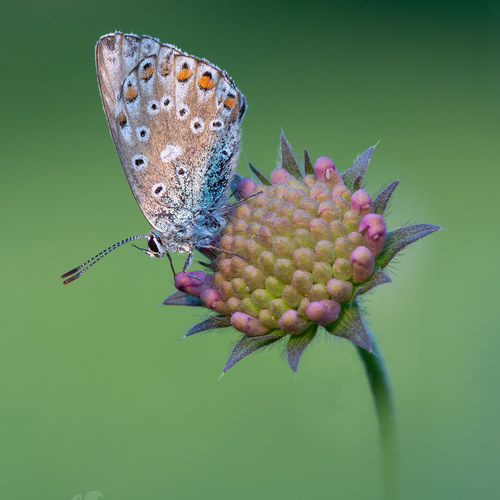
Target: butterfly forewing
174,119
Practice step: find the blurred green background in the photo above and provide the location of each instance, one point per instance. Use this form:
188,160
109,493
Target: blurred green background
98,395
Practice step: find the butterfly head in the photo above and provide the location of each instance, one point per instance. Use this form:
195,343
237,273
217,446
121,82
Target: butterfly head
160,244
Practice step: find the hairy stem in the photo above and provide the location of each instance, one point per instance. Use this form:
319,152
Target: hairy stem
379,383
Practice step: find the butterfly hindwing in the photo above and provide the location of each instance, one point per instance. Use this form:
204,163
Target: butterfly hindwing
174,119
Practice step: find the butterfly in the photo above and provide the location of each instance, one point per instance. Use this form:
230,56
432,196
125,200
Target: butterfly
175,123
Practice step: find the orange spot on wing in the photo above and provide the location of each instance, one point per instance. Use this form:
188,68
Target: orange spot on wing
147,72
131,94
184,75
229,102
122,119
206,83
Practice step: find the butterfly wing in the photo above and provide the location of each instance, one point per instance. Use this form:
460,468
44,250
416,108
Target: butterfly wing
174,120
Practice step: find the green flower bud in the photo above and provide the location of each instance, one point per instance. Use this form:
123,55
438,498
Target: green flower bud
342,269
278,307
304,259
292,296
340,291
262,297
318,292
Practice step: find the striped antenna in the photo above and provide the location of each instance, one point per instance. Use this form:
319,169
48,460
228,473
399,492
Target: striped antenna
94,260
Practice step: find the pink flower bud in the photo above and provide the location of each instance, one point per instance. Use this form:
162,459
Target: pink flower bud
290,322
248,325
319,193
245,187
193,286
341,191
323,312
325,171
212,300
279,176
361,202
363,263
374,227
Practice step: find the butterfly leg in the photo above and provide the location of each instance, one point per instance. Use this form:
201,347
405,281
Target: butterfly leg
188,261
171,263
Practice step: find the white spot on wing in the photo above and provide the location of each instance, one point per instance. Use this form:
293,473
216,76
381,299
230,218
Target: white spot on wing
153,107
171,152
158,190
197,125
142,133
217,124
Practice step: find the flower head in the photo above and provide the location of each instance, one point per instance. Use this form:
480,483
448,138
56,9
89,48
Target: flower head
295,255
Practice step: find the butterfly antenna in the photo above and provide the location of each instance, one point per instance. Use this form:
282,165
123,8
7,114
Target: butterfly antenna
71,276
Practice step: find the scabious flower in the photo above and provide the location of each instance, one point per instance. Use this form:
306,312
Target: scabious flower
295,257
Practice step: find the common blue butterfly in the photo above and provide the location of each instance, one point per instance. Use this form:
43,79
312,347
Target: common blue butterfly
175,122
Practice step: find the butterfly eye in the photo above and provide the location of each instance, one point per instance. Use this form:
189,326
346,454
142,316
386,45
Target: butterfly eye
152,245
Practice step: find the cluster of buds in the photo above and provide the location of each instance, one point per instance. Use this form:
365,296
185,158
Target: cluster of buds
296,254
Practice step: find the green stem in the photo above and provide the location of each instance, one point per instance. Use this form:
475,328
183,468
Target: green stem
379,383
